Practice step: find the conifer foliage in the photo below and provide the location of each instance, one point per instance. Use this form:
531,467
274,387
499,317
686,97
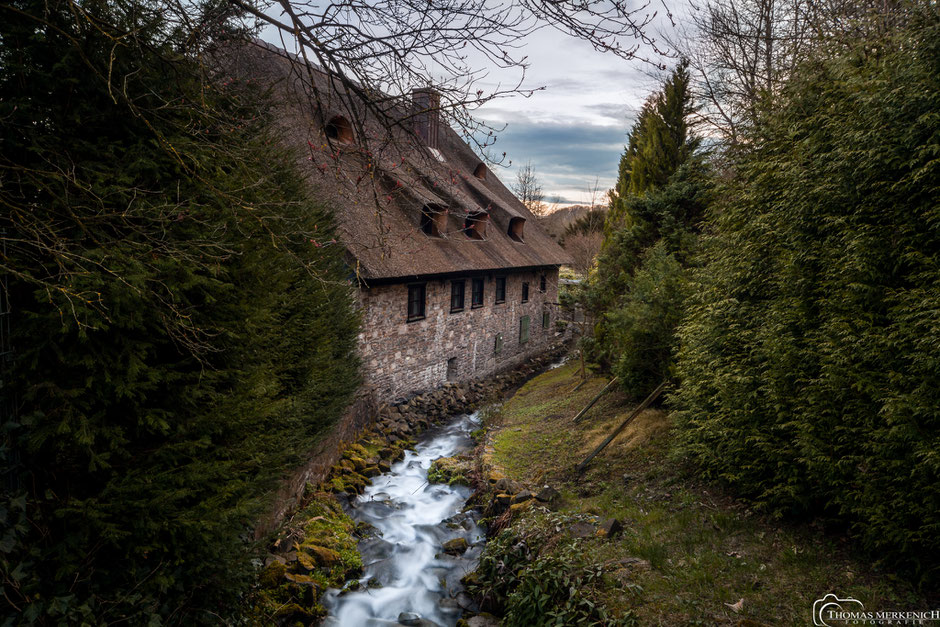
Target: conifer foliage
651,231
660,141
810,357
183,328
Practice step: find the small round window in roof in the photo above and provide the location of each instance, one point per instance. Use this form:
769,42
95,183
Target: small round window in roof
339,129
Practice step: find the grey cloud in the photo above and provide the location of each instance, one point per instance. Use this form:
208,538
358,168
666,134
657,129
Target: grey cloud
622,114
564,156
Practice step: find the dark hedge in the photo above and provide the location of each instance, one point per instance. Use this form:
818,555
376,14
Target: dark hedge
810,353
182,322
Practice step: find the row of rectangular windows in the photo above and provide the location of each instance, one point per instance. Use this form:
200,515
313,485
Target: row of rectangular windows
417,295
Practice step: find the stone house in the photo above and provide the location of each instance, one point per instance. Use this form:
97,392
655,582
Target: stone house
456,280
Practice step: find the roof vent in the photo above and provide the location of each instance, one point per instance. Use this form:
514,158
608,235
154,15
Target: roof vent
516,226
426,103
475,225
339,129
434,220
480,171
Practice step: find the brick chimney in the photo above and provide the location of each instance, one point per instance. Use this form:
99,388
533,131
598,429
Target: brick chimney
426,103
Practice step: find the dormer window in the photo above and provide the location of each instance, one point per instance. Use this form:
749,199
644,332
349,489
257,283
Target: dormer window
474,226
516,226
339,129
434,220
480,172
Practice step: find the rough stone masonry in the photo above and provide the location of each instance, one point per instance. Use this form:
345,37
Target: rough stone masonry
401,358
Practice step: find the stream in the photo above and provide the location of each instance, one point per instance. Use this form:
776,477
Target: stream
407,577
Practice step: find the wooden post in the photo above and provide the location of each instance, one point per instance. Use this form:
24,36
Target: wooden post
596,398
636,412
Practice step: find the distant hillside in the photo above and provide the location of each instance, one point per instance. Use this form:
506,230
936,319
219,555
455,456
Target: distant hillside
557,221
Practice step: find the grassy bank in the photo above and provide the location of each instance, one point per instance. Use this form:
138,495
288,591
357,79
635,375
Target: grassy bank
687,554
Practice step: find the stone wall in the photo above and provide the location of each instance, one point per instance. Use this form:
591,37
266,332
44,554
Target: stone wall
401,358
360,415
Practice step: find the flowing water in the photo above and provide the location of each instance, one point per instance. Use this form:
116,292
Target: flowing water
405,569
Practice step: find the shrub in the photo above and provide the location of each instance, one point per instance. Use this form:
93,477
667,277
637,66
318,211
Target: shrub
183,329
810,356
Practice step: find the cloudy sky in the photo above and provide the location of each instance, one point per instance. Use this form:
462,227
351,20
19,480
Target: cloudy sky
574,131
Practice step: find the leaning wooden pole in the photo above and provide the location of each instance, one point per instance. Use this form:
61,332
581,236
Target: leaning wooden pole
636,412
594,400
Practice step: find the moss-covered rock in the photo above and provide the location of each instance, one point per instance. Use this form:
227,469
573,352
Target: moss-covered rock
272,575
326,556
518,508
306,561
356,450
457,546
450,470
292,613
322,555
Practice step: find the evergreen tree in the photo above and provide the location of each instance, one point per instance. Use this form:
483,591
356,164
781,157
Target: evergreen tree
660,141
651,231
637,292
182,325
809,355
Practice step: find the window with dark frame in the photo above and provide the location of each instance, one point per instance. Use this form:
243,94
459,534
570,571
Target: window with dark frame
416,301
525,292
500,289
516,225
546,319
498,345
476,293
523,329
456,295
542,284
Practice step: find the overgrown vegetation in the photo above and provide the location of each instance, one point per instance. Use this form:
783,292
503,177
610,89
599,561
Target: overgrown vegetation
687,551
637,291
326,557
809,359
183,328
531,580
799,328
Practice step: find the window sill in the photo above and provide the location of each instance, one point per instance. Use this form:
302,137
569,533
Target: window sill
476,306
457,310
416,319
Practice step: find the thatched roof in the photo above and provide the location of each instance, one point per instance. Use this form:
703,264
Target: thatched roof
386,186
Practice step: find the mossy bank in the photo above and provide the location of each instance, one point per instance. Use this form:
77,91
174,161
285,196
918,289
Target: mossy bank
637,539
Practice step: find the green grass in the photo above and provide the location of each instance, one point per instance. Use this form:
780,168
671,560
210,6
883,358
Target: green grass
704,548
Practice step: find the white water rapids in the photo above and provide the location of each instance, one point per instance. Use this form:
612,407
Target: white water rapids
405,569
